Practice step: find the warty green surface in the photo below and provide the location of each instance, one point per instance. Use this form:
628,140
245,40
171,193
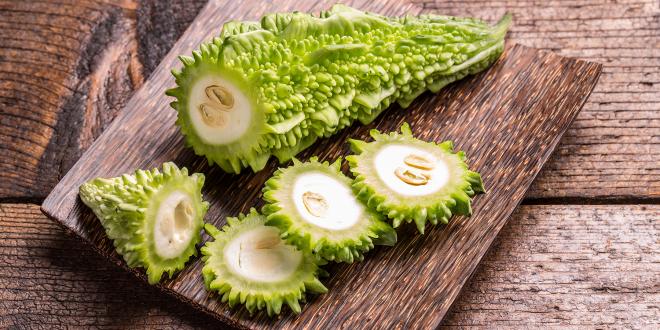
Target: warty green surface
127,207
235,289
308,77
345,245
453,198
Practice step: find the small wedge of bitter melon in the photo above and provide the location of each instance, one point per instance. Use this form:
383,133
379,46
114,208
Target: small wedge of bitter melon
407,179
275,86
248,263
314,208
154,218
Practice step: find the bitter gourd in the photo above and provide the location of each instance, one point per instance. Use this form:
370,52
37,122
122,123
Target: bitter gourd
407,179
313,206
154,218
274,87
248,263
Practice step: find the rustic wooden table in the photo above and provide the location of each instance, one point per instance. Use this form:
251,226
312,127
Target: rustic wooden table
583,249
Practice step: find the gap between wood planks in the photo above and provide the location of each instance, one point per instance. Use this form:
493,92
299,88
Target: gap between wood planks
568,201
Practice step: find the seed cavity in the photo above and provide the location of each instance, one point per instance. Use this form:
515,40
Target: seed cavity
183,215
267,243
220,96
212,116
220,102
419,162
412,177
315,203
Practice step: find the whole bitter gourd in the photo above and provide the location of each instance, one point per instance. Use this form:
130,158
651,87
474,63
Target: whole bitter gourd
314,208
274,87
407,179
248,263
154,217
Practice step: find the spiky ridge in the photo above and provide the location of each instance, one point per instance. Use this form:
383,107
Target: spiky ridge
255,295
344,245
453,198
127,207
308,77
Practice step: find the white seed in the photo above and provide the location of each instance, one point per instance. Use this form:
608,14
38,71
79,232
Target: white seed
212,116
267,242
315,203
418,161
220,96
411,176
220,100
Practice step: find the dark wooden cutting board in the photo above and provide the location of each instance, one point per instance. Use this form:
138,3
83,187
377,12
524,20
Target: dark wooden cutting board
507,119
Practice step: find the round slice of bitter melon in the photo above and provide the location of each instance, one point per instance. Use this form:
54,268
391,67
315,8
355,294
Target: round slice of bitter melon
314,208
249,263
407,179
154,218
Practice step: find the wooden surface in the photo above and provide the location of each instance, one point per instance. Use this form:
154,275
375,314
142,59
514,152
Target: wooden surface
598,267
508,120
610,154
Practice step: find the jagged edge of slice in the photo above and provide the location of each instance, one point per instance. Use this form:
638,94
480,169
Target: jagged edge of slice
436,207
235,289
123,205
344,245
234,156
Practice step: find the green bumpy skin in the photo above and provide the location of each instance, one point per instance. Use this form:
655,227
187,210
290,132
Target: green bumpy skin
452,197
127,207
344,244
305,77
235,288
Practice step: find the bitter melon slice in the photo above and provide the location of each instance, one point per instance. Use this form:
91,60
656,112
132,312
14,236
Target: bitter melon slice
313,206
407,179
248,263
154,218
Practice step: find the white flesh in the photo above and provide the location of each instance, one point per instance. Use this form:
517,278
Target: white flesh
174,225
237,119
389,158
251,256
343,208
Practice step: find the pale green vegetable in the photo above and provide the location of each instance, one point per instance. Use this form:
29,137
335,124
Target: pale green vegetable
153,217
408,180
249,264
274,87
314,208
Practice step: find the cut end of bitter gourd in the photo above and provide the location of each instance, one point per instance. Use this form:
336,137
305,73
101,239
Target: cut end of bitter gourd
407,179
273,87
154,218
314,208
248,263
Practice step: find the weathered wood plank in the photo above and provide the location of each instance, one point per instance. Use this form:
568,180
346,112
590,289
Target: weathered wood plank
67,68
577,265
62,63
556,265
613,148
48,105
49,279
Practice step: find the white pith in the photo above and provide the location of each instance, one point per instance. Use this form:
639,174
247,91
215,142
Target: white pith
343,209
237,119
174,225
247,257
391,157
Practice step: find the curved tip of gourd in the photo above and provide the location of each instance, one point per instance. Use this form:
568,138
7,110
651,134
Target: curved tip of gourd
338,8
503,25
